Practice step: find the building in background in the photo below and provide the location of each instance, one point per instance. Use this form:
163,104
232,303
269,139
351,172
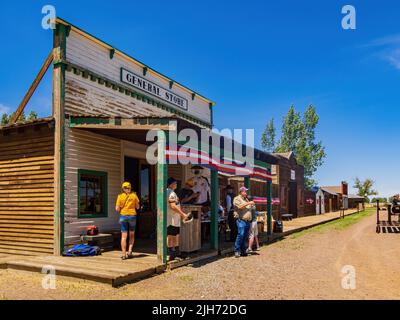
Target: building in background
288,186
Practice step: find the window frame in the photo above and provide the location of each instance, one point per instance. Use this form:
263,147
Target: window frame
102,174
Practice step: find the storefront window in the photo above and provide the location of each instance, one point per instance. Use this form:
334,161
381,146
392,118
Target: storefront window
92,194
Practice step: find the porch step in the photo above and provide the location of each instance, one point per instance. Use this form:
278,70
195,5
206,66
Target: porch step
201,256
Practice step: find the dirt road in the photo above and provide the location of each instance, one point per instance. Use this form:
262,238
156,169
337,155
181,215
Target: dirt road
307,266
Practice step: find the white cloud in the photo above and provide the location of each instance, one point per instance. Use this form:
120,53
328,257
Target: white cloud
4,109
388,49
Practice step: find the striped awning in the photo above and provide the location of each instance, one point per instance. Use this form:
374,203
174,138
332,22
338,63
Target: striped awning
252,169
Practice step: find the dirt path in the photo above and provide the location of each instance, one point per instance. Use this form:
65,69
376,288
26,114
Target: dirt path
305,267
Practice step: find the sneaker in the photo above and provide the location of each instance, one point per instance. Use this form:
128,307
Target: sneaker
257,249
237,255
249,251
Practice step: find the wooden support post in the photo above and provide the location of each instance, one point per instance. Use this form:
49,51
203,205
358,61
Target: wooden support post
247,184
32,88
162,198
214,209
269,208
59,54
377,211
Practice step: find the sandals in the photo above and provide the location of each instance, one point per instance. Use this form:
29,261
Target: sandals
127,256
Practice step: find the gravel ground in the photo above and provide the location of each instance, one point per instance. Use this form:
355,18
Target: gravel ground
298,267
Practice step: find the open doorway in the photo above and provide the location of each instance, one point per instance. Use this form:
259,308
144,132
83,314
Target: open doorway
141,175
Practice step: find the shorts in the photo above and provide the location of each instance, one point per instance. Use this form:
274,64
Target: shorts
253,232
128,223
173,231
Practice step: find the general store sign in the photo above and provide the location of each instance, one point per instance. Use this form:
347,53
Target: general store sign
154,89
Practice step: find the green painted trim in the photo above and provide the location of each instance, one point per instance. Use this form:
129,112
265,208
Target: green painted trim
105,196
269,208
64,22
247,184
161,184
214,210
60,41
74,121
133,93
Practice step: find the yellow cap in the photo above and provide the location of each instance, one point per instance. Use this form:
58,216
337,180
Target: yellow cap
126,185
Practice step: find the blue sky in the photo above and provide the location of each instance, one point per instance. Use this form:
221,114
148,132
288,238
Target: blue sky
254,58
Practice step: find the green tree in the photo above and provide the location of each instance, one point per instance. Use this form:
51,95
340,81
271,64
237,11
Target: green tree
268,137
381,200
5,119
365,188
298,135
32,115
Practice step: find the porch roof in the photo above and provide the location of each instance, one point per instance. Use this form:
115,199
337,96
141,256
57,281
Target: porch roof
135,130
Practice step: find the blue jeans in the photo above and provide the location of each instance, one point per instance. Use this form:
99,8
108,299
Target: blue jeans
242,235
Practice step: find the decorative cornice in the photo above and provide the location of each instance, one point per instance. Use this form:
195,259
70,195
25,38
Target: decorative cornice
87,74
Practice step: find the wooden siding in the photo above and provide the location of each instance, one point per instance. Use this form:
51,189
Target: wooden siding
94,57
27,191
90,151
83,96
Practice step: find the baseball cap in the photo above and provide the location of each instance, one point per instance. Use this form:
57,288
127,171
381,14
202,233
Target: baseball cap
241,189
171,181
126,185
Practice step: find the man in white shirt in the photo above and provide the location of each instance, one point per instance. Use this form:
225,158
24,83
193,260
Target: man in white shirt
174,216
201,186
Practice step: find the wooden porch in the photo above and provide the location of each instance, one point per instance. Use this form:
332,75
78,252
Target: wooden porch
106,268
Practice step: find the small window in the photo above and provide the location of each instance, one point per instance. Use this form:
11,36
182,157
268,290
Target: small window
92,195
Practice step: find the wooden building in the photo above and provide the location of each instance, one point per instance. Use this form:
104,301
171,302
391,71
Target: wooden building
336,197
288,186
68,169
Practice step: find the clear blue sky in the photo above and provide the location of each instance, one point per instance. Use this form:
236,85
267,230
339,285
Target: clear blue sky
254,58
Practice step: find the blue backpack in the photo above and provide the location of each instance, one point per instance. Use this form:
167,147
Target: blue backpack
82,250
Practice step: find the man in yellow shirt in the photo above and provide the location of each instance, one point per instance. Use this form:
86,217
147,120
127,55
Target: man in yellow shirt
127,204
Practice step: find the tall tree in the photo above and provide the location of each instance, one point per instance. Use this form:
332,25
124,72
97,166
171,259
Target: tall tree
268,136
365,188
298,135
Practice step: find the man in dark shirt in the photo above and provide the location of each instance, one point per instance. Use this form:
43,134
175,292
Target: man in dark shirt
186,194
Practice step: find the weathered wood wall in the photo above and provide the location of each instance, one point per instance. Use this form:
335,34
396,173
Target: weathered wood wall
91,55
27,191
90,151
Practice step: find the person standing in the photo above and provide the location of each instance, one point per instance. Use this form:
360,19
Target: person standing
187,194
243,218
174,216
126,205
201,186
230,209
253,233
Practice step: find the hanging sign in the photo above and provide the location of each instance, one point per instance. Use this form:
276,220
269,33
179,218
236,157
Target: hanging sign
154,89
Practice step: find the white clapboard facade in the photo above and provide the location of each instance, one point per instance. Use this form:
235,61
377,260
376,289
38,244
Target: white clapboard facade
93,71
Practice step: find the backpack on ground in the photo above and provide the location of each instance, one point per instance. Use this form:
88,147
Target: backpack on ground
278,226
82,250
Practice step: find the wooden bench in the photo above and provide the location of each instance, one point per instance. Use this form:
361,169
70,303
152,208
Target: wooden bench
287,216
